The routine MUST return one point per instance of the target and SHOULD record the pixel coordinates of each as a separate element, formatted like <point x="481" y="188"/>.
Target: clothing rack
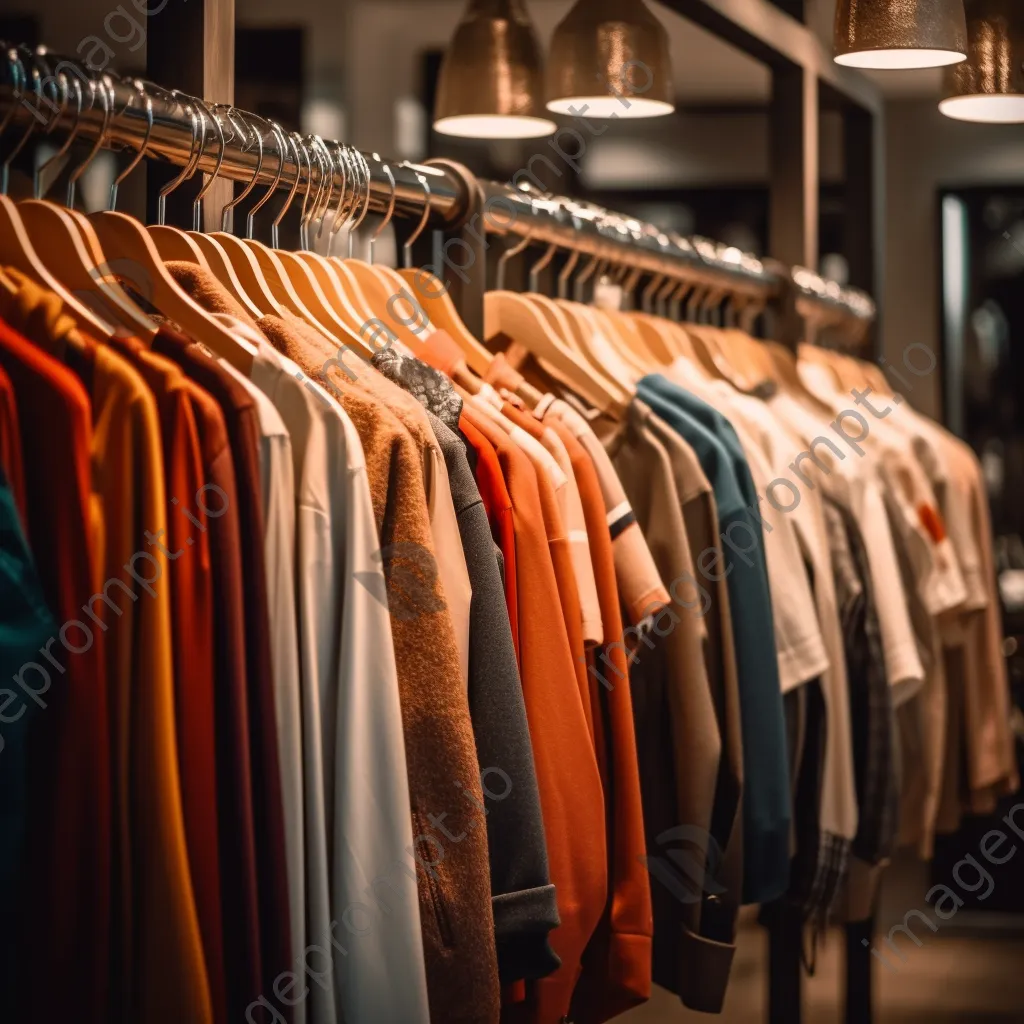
<point x="42" y="94"/>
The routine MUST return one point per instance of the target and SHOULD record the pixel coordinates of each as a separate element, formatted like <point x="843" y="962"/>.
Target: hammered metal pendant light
<point x="492" y="82"/>
<point x="989" y="85"/>
<point x="610" y="58"/>
<point x="891" y="34"/>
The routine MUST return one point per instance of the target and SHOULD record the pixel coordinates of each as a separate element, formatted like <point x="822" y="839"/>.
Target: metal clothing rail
<point x="43" y="94"/>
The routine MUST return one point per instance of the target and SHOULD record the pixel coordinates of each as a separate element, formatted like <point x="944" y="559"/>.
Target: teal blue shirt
<point x="767" y="805"/>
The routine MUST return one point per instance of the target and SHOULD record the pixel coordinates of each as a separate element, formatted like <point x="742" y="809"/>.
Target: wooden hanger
<point x="517" y="318"/>
<point x="72" y="252"/>
<point x="366" y="299"/>
<point x="16" y="251"/>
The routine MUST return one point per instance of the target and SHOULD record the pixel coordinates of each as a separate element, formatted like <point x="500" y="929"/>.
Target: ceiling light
<point x="491" y="80"/>
<point x="610" y="58"/>
<point x="900" y="34"/>
<point x="989" y="85"/>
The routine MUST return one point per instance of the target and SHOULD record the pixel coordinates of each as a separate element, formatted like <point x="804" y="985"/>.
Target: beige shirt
<point x="640" y="587"/>
<point x="852" y="483"/>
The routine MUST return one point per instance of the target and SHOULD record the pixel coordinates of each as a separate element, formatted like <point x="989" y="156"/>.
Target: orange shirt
<point x="617" y="963"/>
<point x="572" y="802"/>
<point x="561" y="558"/>
<point x="499" y="513"/>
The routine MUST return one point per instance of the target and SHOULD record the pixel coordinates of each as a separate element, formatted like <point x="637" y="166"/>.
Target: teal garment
<point x="767" y="806"/>
<point x="25" y="626"/>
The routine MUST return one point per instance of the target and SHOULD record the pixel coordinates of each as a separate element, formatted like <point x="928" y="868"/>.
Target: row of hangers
<point x="599" y="353"/>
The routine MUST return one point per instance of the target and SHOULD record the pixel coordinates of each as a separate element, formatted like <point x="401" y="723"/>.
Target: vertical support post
<point x="794" y="167"/>
<point x="785" y="970"/>
<point x="864" y="187"/>
<point x="193" y="45"/>
<point x="858" y="971"/>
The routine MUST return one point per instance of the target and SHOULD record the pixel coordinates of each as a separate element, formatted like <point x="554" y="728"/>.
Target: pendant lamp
<point x="610" y="58"/>
<point x="989" y="85"/>
<point x="491" y="83"/>
<point x="893" y="34"/>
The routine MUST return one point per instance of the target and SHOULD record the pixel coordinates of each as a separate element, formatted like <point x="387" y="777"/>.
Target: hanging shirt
<point x="570" y="789"/>
<point x="617" y="962"/>
<point x="160" y="950"/>
<point x="26" y="624"/>
<point x="687" y="715"/>
<point x="522" y="896"/>
<point x="64" y="911"/>
<point x="351" y="709"/>
<point x="269" y="922"/>
<point x="766" y="799"/>
<point x="192" y="622"/>
<point x="455" y="911"/>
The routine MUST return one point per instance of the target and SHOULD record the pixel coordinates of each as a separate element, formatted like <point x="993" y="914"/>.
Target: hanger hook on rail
<point x="261" y="202"/>
<point x="505" y="257"/>
<point x="583" y="277"/>
<point x="38" y="191"/>
<point x="365" y="179"/>
<point x="106" y="90"/>
<point x="147" y="102"/>
<point x="197" y="213"/>
<point x="565" y="273"/>
<point x="289" y="138"/>
<point x="421" y="227"/>
<point x="542" y="264"/>
<point x="346" y="203"/>
<point x="330" y="171"/>
<point x="15" y="59"/>
<point x="388" y="213"/>
<point x="227" y="213"/>
<point x="195" y="151"/>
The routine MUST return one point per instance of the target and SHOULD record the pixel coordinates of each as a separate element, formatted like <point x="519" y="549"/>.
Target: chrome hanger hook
<point x="282" y="145"/>
<point x="389" y="212"/>
<point x="323" y="209"/>
<point x="197" y="213"/>
<point x="197" y="146"/>
<point x="661" y="298"/>
<point x="421" y="227"/>
<point x="540" y="265"/>
<point x="505" y="257"/>
<point x="647" y="296"/>
<point x="581" y="279"/>
<point x="5" y="171"/>
<point x="17" y="76"/>
<point x="134" y="162"/>
<point x="227" y="213"/>
<point x="566" y="273"/>
<point x="346" y="204"/>
<point x="303" y="214"/>
<point x="37" y="186"/>
<point x="675" y="305"/>
<point x="106" y="91"/>
<point x="365" y="181"/>
<point x="291" y="192"/>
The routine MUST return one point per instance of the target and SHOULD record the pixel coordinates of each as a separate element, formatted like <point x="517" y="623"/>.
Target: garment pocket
<point x="434" y="893"/>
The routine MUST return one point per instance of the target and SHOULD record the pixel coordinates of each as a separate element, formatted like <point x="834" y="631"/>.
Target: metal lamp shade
<point x="989" y="85"/>
<point x="900" y="33"/>
<point x="610" y="58"/>
<point x="491" y="83"/>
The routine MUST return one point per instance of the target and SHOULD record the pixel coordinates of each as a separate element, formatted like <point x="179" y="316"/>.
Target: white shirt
<point x="358" y="817"/>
